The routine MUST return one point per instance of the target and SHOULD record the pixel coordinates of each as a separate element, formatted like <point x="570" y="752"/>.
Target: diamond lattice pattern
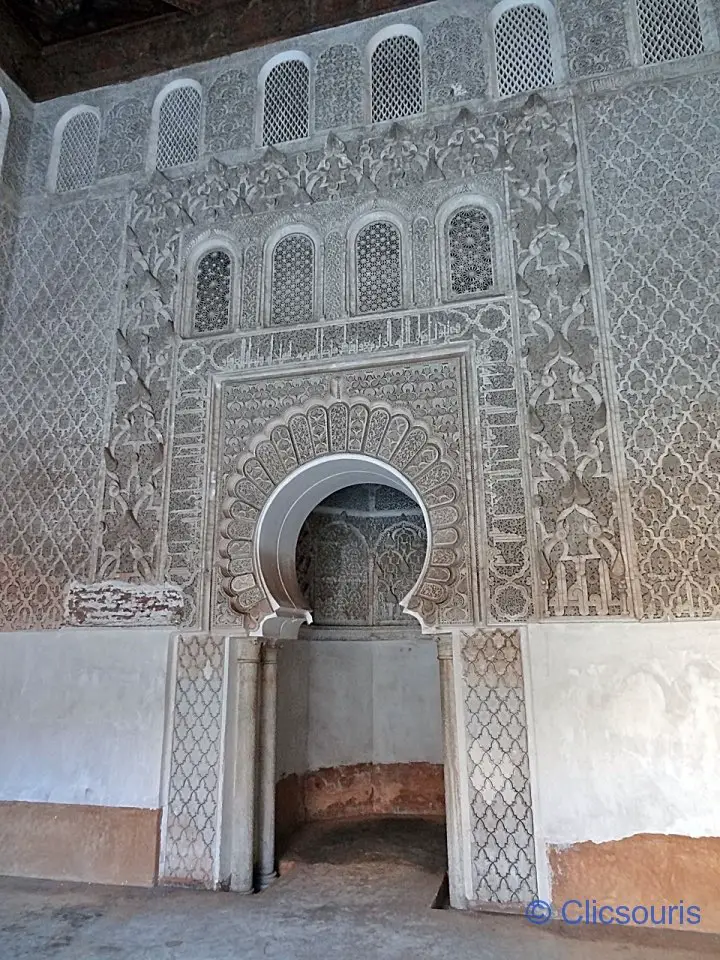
<point x="286" y="102"/>
<point x="669" y="29"/>
<point x="293" y="279"/>
<point x="379" y="275"/>
<point x="77" y="161"/>
<point x="522" y="50"/>
<point x="193" y="792"/>
<point x="499" y="769"/>
<point x="179" y="128"/>
<point x="396" y="79"/>
<point x="54" y="356"/>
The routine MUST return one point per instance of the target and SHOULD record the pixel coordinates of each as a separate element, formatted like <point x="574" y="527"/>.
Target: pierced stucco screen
<point x="523" y="54"/>
<point x="77" y="160"/>
<point x="286" y="102"/>
<point x="178" y="128"/>
<point x="396" y="79"/>
<point x="669" y="29"/>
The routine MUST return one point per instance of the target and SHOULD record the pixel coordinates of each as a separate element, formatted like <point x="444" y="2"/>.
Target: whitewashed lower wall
<point x="82" y="716"/>
<point x="625" y="718"/>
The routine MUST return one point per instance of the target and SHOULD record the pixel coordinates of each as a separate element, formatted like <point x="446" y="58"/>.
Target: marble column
<point x="268" y="739"/>
<point x="451" y="772"/>
<point x="243" y="820"/>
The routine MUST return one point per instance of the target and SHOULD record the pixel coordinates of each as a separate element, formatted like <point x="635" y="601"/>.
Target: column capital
<point x="444" y="647"/>
<point x="249" y="649"/>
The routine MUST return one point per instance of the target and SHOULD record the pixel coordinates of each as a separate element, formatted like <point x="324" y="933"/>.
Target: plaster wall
<point x="626" y="721"/>
<point x="83" y="716"/>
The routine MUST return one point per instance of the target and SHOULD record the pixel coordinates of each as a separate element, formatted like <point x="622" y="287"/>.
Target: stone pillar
<point x="243" y="818"/>
<point x="451" y="772"/>
<point x="268" y="740"/>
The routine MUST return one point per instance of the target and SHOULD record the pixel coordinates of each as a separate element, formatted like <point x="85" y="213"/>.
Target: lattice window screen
<point x="286" y="102"/>
<point x="669" y="29"/>
<point x="396" y="79"/>
<point x="379" y="268"/>
<point x="213" y="280"/>
<point x="77" y="158"/>
<point x="469" y="242"/>
<point x="292" y="293"/>
<point x="179" y="128"/>
<point x="523" y="53"/>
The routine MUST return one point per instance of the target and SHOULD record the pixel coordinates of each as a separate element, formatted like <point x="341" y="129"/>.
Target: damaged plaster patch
<point x="112" y="603"/>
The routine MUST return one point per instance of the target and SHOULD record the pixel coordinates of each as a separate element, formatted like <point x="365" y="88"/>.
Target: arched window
<point x="292" y="280"/>
<point x="523" y="49"/>
<point x="378" y="268"/>
<point x="286" y="101"/>
<point x="213" y="292"/>
<point x="396" y="77"/>
<point x="469" y="246"/>
<point x="73" y="163"/>
<point x="176" y="117"/>
<point x="669" y="29"/>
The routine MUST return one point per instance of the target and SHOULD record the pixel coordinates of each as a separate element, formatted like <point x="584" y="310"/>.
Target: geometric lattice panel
<point x="213" y="282"/>
<point x="286" y="102"/>
<point x="470" y="250"/>
<point x="669" y="29"/>
<point x="292" y="295"/>
<point x="503" y="853"/>
<point x="77" y="160"/>
<point x="178" y="138"/>
<point x="379" y="268"/>
<point x="192" y="831"/>
<point x="396" y="79"/>
<point x="523" y="55"/>
<point x="54" y="355"/>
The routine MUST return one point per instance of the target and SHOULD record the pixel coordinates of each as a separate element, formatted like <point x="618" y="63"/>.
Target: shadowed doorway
<point x="359" y="750"/>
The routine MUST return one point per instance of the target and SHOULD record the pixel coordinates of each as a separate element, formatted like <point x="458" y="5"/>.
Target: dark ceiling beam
<point x="220" y="28"/>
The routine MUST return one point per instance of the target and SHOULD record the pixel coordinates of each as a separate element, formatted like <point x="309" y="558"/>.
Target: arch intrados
<point x="283" y="515"/>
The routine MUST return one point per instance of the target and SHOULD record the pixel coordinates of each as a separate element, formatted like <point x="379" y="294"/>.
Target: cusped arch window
<point x="469" y="252"/>
<point x="285" y="86"/>
<point x="176" y="122"/>
<point x="292" y="279"/>
<point x="4" y="124"/>
<point x="378" y="268"/>
<point x="524" y="37"/>
<point x="396" y="82"/>
<point x="73" y="163"/>
<point x="669" y="29"/>
<point x="210" y="289"/>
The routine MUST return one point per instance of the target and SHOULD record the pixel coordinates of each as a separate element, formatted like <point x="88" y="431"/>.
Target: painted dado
<point x="467" y="252"/>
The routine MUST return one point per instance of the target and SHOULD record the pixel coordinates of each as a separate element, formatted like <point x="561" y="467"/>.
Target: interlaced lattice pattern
<point x="669" y="29"/>
<point x="523" y="54"/>
<point x="470" y="252"/>
<point x="396" y="79"/>
<point x="179" y="128"/>
<point x="293" y="280"/>
<point x="77" y="160"/>
<point x="379" y="271"/>
<point x="502" y="823"/>
<point x="195" y="761"/>
<point x="286" y="103"/>
<point x="212" y="292"/>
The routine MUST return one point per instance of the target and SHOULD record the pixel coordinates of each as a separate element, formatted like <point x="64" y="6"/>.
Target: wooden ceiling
<point x="56" y="47"/>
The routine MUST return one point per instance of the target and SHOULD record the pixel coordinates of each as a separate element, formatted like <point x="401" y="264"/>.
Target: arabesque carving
<point x="377" y="430"/>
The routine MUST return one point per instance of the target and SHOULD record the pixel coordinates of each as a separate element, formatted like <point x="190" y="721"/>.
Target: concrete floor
<point x="347" y="894"/>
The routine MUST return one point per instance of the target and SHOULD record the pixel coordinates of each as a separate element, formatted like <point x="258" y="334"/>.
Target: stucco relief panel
<point x="655" y="184"/>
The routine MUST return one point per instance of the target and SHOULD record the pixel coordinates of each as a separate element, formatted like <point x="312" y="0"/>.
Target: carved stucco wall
<point x="359" y="553"/>
<point x="580" y="403"/>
